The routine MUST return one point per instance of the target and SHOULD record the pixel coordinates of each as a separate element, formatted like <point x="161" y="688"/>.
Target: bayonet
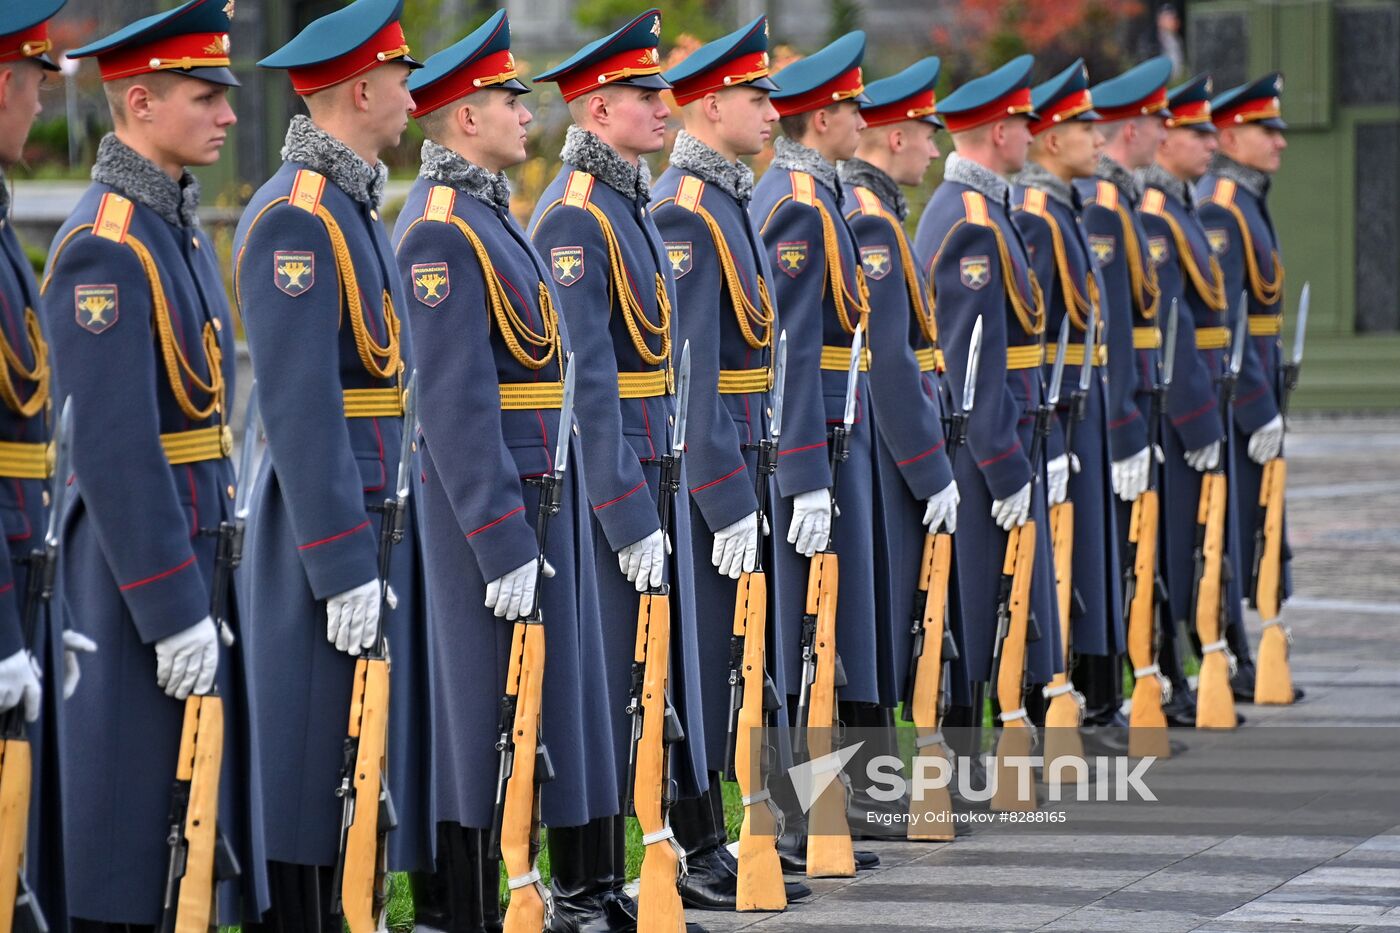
<point x="1300" y="327"/>
<point x="1057" y="372"/>
<point x="682" y="402"/>
<point x="566" y="420"/>
<point x="63" y="458"/>
<point x="775" y="423"/>
<point x="410" y="428"/>
<point x="974" y="362"/>
<point x="246" y="456"/>
<point x="1086" y="369"/>
<point x="1169" y="349"/>
<point x="848" y="416"/>
<point x="1241" y="333"/>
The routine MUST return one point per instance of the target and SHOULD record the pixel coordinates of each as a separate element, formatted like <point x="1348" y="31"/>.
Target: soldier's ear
<point x="7" y="75"/>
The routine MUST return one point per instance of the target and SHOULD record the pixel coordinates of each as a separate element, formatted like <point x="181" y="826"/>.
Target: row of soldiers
<point x="787" y="338"/>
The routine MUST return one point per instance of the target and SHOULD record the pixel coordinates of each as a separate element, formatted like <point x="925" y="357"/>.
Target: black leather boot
<point x="463" y="894"/>
<point x="300" y="902"/>
<point x="868" y="817"/>
<point x="575" y="856"/>
<point x="707" y="883"/>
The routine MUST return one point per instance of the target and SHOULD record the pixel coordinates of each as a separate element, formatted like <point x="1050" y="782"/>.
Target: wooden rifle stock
<point x="1147" y="724"/>
<point x="658" y="901"/>
<point x="1017" y="733"/>
<point x="1273" y="680"/>
<point x="520" y="815"/>
<point x="16" y="777"/>
<point x="1065" y="714"/>
<point x="363" y="874"/>
<point x="197" y="769"/>
<point x="931" y="809"/>
<point x="1215" y="701"/>
<point x="760" y="884"/>
<point x="829" y="850"/>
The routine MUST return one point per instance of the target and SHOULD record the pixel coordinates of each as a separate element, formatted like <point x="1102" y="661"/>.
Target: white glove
<point x="942" y="509"/>
<point x="642" y="561"/>
<point x="19" y="682"/>
<point x="187" y="661"/>
<point x="352" y="618"/>
<point x="74" y="644"/>
<point x="1013" y="511"/>
<point x="810" y="530"/>
<point x="736" y="547"/>
<point x="1204" y="458"/>
<point x="513" y="595"/>
<point x="1129" y="475"/>
<point x="1057" y="479"/>
<point x="1265" y="443"/>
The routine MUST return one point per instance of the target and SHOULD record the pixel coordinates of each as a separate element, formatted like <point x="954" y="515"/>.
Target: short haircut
<point x="795" y="124"/>
<point x="158" y="83"/>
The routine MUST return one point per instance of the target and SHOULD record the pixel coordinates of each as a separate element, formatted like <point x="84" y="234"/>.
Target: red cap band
<point x="1018" y="101"/>
<point x="192" y="50"/>
<point x="487" y="71"/>
<point x="1153" y="103"/>
<point x="1248" y="111"/>
<point x="384" y="46"/>
<point x="630" y="64"/>
<point x="914" y="107"/>
<point x="1190" y="114"/>
<point x="737" y="71"/>
<point x="842" y="87"/>
<point x="27" y="44"/>
<point x="1071" y="105"/>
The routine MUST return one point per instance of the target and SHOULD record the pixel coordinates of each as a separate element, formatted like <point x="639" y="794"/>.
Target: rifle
<point x="932" y="648"/>
<point x="1147" y="724"/>
<point x="829" y="851"/>
<point x="1273" y="681"/>
<point x="524" y="759"/>
<point x="19" y="907"/>
<point x="200" y="856"/>
<point x="1016" y="624"/>
<point x="360" y="885"/>
<point x="656" y="729"/>
<point x="752" y="694"/>
<point x="1065" y="714"/>
<point x="1215" y="701"/>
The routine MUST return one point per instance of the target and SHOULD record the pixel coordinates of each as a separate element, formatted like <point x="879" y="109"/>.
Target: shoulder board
<point x="869" y="202"/>
<point x="440" y="202"/>
<point x="1034" y="202"/>
<point x="689" y="193"/>
<point x="306" y="190"/>
<point x="579" y="189"/>
<point x="975" y="207"/>
<point x="804" y="188"/>
<point x="113" y="218"/>
<point x="1224" y="193"/>
<point x="1153" y="201"/>
<point x="1106" y="195"/>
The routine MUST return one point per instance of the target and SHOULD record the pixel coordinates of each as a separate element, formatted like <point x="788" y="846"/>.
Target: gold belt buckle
<point x="226" y="440"/>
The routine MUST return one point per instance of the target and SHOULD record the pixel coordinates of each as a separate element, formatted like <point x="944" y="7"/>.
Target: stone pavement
<point x="1344" y="501"/>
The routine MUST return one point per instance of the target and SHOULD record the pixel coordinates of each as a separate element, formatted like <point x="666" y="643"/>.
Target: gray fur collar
<point x="313" y="147"/>
<point x="861" y="173"/>
<point x="1154" y="176"/>
<point x="792" y="155"/>
<point x="977" y="177"/>
<point x="1111" y="170"/>
<point x="123" y="168"/>
<point x="691" y="155"/>
<point x="1035" y="175"/>
<point x="443" y="165"/>
<point x="602" y="161"/>
<point x="1250" y="179"/>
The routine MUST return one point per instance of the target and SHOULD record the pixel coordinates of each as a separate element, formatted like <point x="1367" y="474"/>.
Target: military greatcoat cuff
<point x="503" y="544"/>
<point x="341" y="561"/>
<point x="167" y="601"/>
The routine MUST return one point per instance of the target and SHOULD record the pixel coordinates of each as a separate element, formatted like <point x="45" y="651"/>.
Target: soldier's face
<point x="1012" y="138"/>
<point x="1255" y="146"/>
<point x="1186" y="152"/>
<point x="1080" y="144"/>
<point x="19" y="105"/>
<point x="746" y="119"/>
<point x="917" y="149"/>
<point x="190" y="121"/>
<point x="387" y="102"/>
<point x="1148" y="134"/>
<point x="636" y="119"/>
<point x="843" y="126"/>
<point x="501" y="118"/>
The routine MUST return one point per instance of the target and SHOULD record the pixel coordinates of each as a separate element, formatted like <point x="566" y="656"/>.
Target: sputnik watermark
<point x="1102" y="778"/>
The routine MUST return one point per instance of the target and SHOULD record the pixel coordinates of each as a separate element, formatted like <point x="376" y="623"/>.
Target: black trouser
<point x="463" y="894"/>
<point x="301" y="901"/>
<point x="698" y="822"/>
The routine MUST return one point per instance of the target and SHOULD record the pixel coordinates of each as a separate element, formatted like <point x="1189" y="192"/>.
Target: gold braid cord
<point x="751" y="318"/>
<point x="380" y="361"/>
<point x="633" y="314"/>
<point x="923" y="308"/>
<point x="1031" y="313"/>
<point x="1076" y="305"/>
<point x="13" y="366"/>
<point x="1212" y="292"/>
<point x="512" y="327"/>
<point x="1267" y="292"/>
<point x="840" y="295"/>
<point x="1147" y="293"/>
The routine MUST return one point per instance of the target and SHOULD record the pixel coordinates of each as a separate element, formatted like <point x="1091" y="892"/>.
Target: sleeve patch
<point x="566" y="264"/>
<point x="96" y="307"/>
<point x="1157" y="249"/>
<point x="792" y="257"/>
<point x="1101" y="245"/>
<point x="876" y="261"/>
<point x="682" y="257"/>
<point x="293" y="271"/>
<point x="975" y="271"/>
<point x="1219" y="239"/>
<point x="431" y="283"/>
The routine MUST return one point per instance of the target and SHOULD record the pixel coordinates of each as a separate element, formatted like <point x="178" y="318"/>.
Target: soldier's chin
<point x="208" y="155"/>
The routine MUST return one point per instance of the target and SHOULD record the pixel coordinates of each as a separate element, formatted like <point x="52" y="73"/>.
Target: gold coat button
<point x="230" y="490"/>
